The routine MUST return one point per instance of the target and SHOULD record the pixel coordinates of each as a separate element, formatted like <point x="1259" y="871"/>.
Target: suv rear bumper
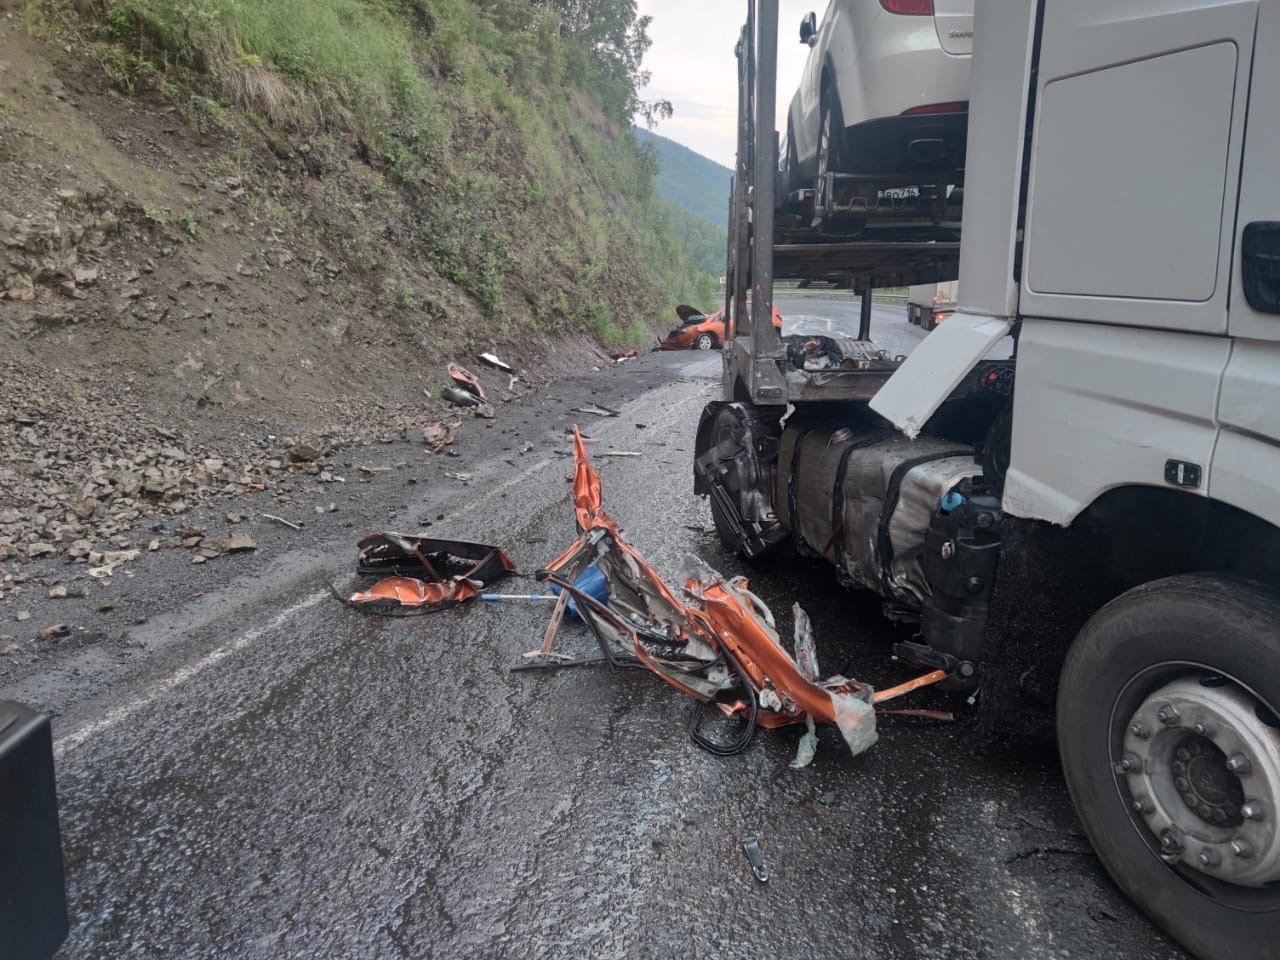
<point x="906" y="144"/>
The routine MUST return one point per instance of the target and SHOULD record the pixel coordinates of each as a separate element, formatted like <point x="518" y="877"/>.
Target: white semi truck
<point x="1089" y="531"/>
<point x="929" y="303"/>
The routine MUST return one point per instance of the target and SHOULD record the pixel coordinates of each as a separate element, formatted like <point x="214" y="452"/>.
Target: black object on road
<point x="33" y="897"/>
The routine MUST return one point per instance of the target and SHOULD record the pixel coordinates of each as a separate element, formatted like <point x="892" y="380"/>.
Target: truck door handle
<point x="1260" y="265"/>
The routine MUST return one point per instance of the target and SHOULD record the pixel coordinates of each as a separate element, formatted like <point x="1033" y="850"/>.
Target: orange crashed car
<point x="697" y="331"/>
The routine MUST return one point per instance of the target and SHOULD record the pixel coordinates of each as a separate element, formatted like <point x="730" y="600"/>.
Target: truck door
<point x="1246" y="461"/>
<point x="1138" y="134"/>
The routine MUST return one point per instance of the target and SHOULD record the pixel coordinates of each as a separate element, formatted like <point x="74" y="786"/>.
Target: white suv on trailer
<point x="884" y="92"/>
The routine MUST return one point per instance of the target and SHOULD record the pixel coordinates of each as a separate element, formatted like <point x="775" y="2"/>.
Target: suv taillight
<point x="909" y="8"/>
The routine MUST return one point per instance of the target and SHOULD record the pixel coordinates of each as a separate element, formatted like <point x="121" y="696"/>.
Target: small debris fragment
<point x="22" y="615"/>
<point x="55" y="632"/>
<point x="493" y="361"/>
<point x="8" y="650"/>
<point x="466" y="381"/>
<point x="282" y="520"/>
<point x="621" y="453"/>
<point x="464" y="477"/>
<point x="438" y="435"/>
<point x="598" y="410"/>
<point x="459" y="397"/>
<point x="756" y="859"/>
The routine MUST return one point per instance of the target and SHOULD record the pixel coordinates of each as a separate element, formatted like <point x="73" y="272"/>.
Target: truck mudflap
<point x="734" y="458"/>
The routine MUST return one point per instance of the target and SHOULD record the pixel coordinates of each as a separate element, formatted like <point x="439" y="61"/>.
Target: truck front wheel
<point x="1170" y="743"/>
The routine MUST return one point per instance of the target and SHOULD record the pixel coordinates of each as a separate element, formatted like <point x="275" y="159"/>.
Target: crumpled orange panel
<point x="720" y="618"/>
<point x="409" y="592"/>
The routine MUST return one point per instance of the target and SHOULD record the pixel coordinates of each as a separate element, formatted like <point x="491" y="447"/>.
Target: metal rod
<point x="764" y="339"/>
<point x="864" y="318"/>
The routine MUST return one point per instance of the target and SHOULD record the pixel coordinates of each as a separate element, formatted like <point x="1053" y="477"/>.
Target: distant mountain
<point x="689" y="179"/>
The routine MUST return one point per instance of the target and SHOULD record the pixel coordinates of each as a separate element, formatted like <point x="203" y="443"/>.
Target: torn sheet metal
<point x="426" y="573"/>
<point x="717" y="644"/>
<point x="466" y="381"/>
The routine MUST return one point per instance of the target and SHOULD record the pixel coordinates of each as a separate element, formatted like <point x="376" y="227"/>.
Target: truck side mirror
<point x="809" y="29"/>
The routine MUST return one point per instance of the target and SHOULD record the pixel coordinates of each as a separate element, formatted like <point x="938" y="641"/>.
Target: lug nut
<point x="1206" y="728"/>
<point x="1253" y="811"/>
<point x="948" y="550"/>
<point x="1210" y="858"/>
<point x="1128" y="763"/>
<point x="1239" y="764"/>
<point x="1170" y="843"/>
<point x="1242" y="848"/>
<point x="1140" y="730"/>
<point x="1168" y="715"/>
<point x="1143" y="805"/>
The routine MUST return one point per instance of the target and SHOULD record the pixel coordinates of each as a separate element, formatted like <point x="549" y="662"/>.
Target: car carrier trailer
<point x="1090" y="530"/>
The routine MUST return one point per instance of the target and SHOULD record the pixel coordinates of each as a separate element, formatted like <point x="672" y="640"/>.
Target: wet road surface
<point x="293" y="779"/>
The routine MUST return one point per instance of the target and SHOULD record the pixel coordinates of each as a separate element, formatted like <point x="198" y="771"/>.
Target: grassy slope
<point x="452" y="143"/>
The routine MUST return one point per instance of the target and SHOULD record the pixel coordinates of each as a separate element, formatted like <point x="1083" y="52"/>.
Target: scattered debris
<point x="62" y="591"/>
<point x="598" y="410"/>
<point x="464" y="477"/>
<point x="526" y="447"/>
<point x="22" y="615"/>
<point x="288" y="523"/>
<point x="57" y="631"/>
<point x="621" y="356"/>
<point x="459" y="397"/>
<point x="438" y="435"/>
<point x="493" y="361"/>
<point x="466" y="381"/>
<point x="458" y="570"/>
<point x="756" y="859"/>
<point x="719" y="647"/>
<point x="621" y="453"/>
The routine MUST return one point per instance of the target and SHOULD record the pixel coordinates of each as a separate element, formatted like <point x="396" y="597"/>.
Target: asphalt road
<point x="267" y="774"/>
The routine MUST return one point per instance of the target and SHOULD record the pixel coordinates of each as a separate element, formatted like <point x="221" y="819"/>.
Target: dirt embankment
<point x="181" y="321"/>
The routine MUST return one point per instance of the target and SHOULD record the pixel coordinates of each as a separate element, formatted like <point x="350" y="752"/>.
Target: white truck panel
<point x="1259" y="186"/>
<point x="1098" y="407"/>
<point x="1137" y="142"/>
<point x="999" y="89"/>
<point x="1246" y="463"/>
<point x="935" y="368"/>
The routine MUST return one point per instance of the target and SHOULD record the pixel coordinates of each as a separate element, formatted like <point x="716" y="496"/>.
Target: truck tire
<point x="1170" y="743"/>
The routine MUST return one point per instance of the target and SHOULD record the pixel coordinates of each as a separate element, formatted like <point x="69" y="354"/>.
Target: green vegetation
<point x="689" y="179"/>
<point x="487" y="142"/>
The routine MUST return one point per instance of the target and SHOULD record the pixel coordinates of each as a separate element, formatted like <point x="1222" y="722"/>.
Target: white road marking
<point x="181" y="676"/>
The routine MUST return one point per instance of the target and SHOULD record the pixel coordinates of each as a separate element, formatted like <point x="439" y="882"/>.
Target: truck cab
<point x="1085" y="534"/>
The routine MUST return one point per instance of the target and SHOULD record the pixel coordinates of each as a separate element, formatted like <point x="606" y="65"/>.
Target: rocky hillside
<point x="233" y="229"/>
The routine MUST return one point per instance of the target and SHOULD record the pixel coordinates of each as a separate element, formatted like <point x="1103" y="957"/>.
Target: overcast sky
<point x="692" y="65"/>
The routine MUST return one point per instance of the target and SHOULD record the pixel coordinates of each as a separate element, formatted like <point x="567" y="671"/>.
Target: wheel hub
<point x="1203" y="771"/>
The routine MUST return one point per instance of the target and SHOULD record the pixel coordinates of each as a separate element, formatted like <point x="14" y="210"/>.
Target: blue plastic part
<point x="590" y="581"/>
<point x="951" y="501"/>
